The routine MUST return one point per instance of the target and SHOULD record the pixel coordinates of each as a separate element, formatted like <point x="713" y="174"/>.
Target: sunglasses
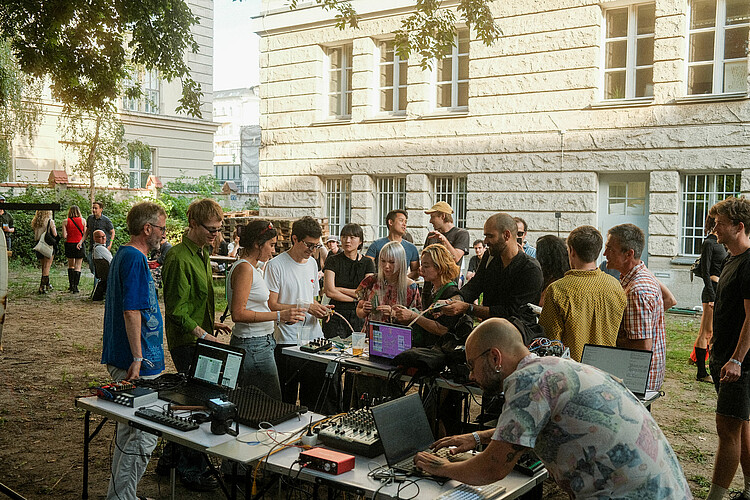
<point x="312" y="246"/>
<point x="210" y="229"/>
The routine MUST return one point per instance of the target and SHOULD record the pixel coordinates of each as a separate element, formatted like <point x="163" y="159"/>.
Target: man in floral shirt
<point x="593" y="435"/>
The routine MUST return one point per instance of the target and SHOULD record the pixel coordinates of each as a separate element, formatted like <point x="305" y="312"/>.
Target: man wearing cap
<point x="445" y="233"/>
<point x="7" y="221"/>
<point x="332" y="244"/>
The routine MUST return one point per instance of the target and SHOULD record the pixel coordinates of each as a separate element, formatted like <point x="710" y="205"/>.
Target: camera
<point x="222" y="415"/>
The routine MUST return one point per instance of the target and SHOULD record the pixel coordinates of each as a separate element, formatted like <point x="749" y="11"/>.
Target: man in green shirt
<point x="189" y="315"/>
<point x="188" y="286"/>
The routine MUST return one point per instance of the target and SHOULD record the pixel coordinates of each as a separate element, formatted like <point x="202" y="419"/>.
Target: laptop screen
<point x="216" y="364"/>
<point x="403" y="427"/>
<point x="630" y="365"/>
<point x="388" y="340"/>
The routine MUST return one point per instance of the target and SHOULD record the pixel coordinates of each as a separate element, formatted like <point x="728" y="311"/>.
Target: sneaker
<point x="200" y="482"/>
<point x="709" y="380"/>
<point x="738" y="495"/>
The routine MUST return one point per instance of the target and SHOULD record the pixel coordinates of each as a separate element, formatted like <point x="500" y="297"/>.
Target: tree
<point x="85" y="47"/>
<point x="429" y="31"/>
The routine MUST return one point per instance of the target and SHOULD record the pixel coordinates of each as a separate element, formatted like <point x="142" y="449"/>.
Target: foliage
<point x="205" y="185"/>
<point x="20" y="105"/>
<point x="88" y="47"/>
<point x="430" y="30"/>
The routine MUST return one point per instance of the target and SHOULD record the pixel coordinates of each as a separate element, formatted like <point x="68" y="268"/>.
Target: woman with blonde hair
<point x="73" y="232"/>
<point x="390" y="287"/>
<point x="41" y="223"/>
<point x="438" y="268"/>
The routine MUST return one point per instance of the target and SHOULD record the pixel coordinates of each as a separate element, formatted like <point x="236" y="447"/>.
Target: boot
<point x="42" y="288"/>
<point x="700" y="356"/>
<point x="47" y="284"/>
<point x="71" y="280"/>
<point x="76" y="280"/>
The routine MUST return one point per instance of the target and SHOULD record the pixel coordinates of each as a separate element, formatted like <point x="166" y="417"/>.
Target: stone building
<point x="180" y="145"/>
<point x="584" y="112"/>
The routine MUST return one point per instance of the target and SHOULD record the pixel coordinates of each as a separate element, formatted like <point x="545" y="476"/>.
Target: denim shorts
<point x="733" y="398"/>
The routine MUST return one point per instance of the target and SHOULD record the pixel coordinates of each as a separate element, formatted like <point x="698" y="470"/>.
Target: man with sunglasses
<point x="523" y="231"/>
<point x="593" y="435"/>
<point x="190" y="311"/>
<point x="292" y="279"/>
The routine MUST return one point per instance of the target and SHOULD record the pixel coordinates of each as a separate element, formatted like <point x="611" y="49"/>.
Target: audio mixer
<point x="354" y="433"/>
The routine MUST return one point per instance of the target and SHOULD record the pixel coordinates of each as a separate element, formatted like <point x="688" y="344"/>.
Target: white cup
<point x="358" y="343"/>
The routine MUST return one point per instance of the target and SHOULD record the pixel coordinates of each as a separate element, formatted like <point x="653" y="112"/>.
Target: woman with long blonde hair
<point x="390" y="287"/>
<point x="41" y="223"/>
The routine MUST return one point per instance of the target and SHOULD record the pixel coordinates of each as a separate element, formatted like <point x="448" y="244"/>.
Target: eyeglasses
<point x="163" y="228"/>
<point x="211" y="229"/>
<point x="312" y="246"/>
<point x="470" y="363"/>
<point x="520" y="234"/>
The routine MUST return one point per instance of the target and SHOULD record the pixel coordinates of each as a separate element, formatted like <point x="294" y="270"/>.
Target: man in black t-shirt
<point x="479" y="248"/>
<point x="729" y="362"/>
<point x="455" y="239"/>
<point x="98" y="221"/>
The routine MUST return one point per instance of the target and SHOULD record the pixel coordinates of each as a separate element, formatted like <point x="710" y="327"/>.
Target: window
<point x="227" y="172"/>
<point x="627" y="198"/>
<point x="452" y="75"/>
<point x="338" y="203"/>
<point x="629" y="52"/>
<point x="392" y="70"/>
<point x="718" y="46"/>
<point x="138" y="171"/>
<point x="701" y="192"/>
<point x="340" y="81"/>
<point x="391" y="196"/>
<point x="452" y="190"/>
<point x="149" y="100"/>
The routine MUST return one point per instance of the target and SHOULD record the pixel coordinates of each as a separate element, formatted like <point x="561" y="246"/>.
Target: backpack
<point x="695" y="269"/>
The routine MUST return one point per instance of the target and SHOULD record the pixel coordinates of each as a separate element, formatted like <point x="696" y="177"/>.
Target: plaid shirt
<point x="644" y="318"/>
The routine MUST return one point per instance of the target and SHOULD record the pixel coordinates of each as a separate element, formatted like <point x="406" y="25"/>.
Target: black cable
<point x="406" y="483"/>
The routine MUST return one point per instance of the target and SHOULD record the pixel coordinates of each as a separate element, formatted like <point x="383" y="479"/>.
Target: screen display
<point x="217" y="365"/>
<point x="388" y="340"/>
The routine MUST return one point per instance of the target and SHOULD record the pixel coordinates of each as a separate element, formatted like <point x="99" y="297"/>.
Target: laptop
<point x="404" y="431"/>
<point x="214" y="372"/>
<point x="629" y="365"/>
<point x="388" y="340"/>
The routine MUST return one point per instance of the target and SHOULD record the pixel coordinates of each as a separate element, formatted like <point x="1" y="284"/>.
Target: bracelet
<point x="471" y="310"/>
<point x="278" y="316"/>
<point x="476" y="438"/>
<point x="137" y="360"/>
<point x="735" y="361"/>
<point x="203" y="336"/>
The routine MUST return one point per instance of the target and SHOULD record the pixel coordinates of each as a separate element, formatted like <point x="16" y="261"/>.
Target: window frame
<point x="134" y="160"/>
<point x="150" y="92"/>
<point x="395" y="83"/>
<point x="338" y="195"/>
<point x="344" y="106"/>
<point x="718" y="61"/>
<point x="456" y="196"/>
<point x="391" y="199"/>
<point x="455" y="77"/>
<point x="631" y="58"/>
<point x="712" y="196"/>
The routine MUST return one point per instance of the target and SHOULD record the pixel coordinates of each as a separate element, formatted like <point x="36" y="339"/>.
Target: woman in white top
<point x="253" y="320"/>
<point x="42" y="223"/>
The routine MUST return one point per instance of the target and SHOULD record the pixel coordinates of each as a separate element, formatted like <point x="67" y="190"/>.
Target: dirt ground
<point x="52" y="349"/>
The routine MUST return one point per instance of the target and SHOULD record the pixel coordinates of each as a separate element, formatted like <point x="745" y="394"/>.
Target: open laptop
<point x="630" y="365"/>
<point x="388" y="340"/>
<point x="214" y="371"/>
<point x="404" y="430"/>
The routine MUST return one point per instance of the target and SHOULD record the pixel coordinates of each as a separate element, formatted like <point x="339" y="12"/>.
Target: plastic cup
<point x="358" y="343"/>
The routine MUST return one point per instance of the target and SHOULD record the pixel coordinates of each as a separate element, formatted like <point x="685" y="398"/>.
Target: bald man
<point x="593" y="435"/>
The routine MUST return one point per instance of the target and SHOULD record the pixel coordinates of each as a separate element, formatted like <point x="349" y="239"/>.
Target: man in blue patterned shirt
<point x="592" y="434"/>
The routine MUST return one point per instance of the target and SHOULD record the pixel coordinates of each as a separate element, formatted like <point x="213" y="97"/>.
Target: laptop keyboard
<point x="407" y="464"/>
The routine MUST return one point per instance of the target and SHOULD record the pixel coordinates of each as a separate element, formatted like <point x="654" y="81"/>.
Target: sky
<point x="236" y="49"/>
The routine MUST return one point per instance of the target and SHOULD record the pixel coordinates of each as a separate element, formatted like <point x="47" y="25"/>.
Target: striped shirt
<point x="644" y="318"/>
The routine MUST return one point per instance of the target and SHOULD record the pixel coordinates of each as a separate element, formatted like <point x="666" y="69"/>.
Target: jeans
<point x="130" y="457"/>
<point x="259" y="367"/>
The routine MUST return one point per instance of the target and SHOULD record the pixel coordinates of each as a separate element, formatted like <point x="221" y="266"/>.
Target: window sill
<point x="622" y="103"/>
<point x="332" y="121"/>
<point x="734" y="96"/>
<point x="446" y="113"/>
<point x="385" y="118"/>
<point x="683" y="260"/>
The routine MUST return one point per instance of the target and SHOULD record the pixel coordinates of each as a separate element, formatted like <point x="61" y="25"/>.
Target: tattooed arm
<point x="491" y="465"/>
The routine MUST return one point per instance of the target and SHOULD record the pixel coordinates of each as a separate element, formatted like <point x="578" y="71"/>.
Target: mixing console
<point x="165" y="418"/>
<point x="354" y="433"/>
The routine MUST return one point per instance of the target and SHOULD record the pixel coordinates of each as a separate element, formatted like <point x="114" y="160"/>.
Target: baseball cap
<point x="440" y="206"/>
<point x="2" y="198"/>
<point x="332" y="237"/>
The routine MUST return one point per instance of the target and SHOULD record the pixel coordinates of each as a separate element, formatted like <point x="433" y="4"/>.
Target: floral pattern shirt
<point x="369" y="289"/>
<point x="595" y="438"/>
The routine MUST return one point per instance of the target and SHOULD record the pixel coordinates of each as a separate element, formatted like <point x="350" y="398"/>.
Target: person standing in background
<point x="7" y="223"/>
<point x="74" y="230"/>
<point x="41" y="223"/>
<point x="97" y="220"/>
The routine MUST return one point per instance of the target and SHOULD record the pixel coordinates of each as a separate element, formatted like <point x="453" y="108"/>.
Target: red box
<point x="324" y="460"/>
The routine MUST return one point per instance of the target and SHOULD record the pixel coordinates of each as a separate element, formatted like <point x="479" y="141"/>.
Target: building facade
<point x="180" y="145"/>
<point x="583" y="112"/>
<point x="237" y="139"/>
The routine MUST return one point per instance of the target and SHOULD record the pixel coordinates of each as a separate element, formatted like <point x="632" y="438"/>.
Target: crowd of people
<point x="580" y="421"/>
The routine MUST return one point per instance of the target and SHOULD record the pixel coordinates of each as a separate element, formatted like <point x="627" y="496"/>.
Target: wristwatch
<point x="735" y="361"/>
<point x="476" y="438"/>
<point x="137" y="359"/>
<point x="470" y="312"/>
